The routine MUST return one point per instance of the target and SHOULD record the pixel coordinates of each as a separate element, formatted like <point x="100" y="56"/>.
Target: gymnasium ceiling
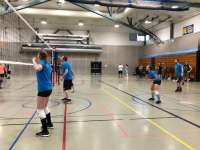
<point x="159" y="12"/>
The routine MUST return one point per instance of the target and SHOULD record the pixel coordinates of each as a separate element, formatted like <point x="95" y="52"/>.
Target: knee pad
<point x="157" y="93"/>
<point x="46" y="110"/>
<point x="41" y="113"/>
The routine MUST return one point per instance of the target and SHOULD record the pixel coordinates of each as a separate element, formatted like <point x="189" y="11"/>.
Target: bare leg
<point x="41" y="105"/>
<point x="66" y="94"/>
<point x="152" y="92"/>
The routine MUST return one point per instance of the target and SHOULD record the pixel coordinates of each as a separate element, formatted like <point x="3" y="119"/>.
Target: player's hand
<point x="34" y="59"/>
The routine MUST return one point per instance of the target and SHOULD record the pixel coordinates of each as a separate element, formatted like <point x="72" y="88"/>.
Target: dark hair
<point x="150" y="68"/>
<point x="43" y="55"/>
<point x="65" y="58"/>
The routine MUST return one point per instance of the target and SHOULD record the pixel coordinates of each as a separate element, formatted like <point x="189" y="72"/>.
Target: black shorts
<point x="158" y="82"/>
<point x="2" y="75"/>
<point x="67" y="85"/>
<point x="45" y="93"/>
<point x="179" y="79"/>
<point x="120" y="72"/>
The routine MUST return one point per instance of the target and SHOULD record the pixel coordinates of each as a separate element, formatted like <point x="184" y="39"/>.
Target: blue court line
<point x="168" y="53"/>
<point x="21" y="132"/>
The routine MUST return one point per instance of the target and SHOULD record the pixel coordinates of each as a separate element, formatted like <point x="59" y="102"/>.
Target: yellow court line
<point x="173" y="136"/>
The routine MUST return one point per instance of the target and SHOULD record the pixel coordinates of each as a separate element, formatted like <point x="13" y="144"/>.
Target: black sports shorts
<point x="158" y="82"/>
<point x="2" y="75"/>
<point x="45" y="93"/>
<point x="120" y="72"/>
<point x="67" y="85"/>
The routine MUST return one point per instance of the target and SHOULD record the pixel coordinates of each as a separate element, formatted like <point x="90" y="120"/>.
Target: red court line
<point x="120" y="127"/>
<point x="64" y="139"/>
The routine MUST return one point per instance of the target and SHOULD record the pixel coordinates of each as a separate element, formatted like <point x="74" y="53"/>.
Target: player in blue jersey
<point x="44" y="85"/>
<point x="179" y="75"/>
<point x="155" y="86"/>
<point x="67" y="75"/>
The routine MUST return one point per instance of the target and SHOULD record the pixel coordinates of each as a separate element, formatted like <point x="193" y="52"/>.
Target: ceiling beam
<point x="185" y="5"/>
<point x="26" y="5"/>
<point x="112" y="19"/>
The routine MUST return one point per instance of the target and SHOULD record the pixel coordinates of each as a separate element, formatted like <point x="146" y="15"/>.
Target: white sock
<point x="46" y="110"/>
<point x="157" y="95"/>
<point x="41" y="113"/>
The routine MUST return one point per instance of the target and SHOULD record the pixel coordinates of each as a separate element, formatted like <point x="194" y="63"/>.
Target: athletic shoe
<point x="68" y="100"/>
<point x="50" y="126"/>
<point x="158" y="102"/>
<point x="151" y="99"/>
<point x="64" y="99"/>
<point x="43" y="133"/>
<point x="177" y="90"/>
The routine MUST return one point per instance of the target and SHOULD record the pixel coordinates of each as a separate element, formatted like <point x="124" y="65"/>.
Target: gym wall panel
<point x="189" y="58"/>
<point x="111" y="57"/>
<point x="182" y="43"/>
<point x="145" y="61"/>
<point x="168" y="61"/>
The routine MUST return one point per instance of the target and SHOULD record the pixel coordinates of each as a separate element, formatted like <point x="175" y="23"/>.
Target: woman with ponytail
<point x="43" y="74"/>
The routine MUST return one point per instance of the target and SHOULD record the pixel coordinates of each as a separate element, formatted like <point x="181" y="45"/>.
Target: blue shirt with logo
<point x="179" y="70"/>
<point x="67" y="66"/>
<point x="152" y="74"/>
<point x="44" y="77"/>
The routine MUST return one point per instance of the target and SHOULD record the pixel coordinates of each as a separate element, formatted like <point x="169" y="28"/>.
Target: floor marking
<point x="64" y="138"/>
<point x="173" y="136"/>
<point x="117" y="123"/>
<point x="85" y="121"/>
<point x="21" y="132"/>
<point x="166" y="111"/>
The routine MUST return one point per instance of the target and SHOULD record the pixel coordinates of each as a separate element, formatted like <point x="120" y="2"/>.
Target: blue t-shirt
<point x="153" y="75"/>
<point x="67" y="66"/>
<point x="44" y="77"/>
<point x="179" y="70"/>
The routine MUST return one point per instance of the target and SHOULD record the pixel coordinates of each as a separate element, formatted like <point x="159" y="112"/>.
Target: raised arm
<point x="37" y="67"/>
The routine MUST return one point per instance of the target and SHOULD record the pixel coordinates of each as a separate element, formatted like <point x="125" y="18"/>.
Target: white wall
<point x="113" y="38"/>
<point x="164" y="34"/>
<point x="179" y="27"/>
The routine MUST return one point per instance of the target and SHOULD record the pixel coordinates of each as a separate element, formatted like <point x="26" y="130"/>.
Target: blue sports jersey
<point x="67" y="66"/>
<point x="153" y="75"/>
<point x="179" y="70"/>
<point x="44" y="77"/>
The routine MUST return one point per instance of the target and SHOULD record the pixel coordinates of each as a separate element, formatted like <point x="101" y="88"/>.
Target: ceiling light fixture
<point x="96" y="5"/>
<point x="175" y="7"/>
<point x="80" y="24"/>
<point x="147" y="22"/>
<point x="43" y="22"/>
<point x="60" y="2"/>
<point x="116" y="25"/>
